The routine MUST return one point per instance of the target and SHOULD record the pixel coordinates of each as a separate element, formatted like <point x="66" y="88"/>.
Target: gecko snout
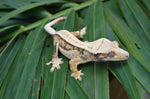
<point x="119" y="54"/>
<point x="124" y="55"/>
<point x="127" y="55"/>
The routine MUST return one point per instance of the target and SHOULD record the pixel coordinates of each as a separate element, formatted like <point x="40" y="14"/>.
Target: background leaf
<point x="95" y="29"/>
<point x="25" y="47"/>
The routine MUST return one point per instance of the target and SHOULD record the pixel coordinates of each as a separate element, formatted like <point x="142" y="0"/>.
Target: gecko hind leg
<point x="55" y="60"/>
<point x="73" y="66"/>
<point x="80" y="33"/>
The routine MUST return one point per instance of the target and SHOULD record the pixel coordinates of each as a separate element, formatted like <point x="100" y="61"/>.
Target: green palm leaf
<point x="96" y="79"/>
<point x="26" y="47"/>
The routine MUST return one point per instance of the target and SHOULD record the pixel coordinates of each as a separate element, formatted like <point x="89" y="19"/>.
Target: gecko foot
<point x="77" y="75"/>
<point x="55" y="63"/>
<point x="83" y="32"/>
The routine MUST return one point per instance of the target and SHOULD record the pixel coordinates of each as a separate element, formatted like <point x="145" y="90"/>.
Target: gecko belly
<point x="70" y="53"/>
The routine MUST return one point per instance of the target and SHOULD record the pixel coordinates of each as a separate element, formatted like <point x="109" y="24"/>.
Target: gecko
<point x="79" y="52"/>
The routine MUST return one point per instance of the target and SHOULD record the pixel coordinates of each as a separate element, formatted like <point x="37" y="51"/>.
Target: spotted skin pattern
<point x="80" y="52"/>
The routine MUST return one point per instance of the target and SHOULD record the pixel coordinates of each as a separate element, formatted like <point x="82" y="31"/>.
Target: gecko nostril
<point x="127" y="56"/>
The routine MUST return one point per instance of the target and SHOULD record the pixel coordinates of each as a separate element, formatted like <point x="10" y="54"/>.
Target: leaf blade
<point x="96" y="73"/>
<point x="22" y="9"/>
<point x="123" y="32"/>
<point x="73" y="87"/>
<point x="121" y="70"/>
<point x="8" y="61"/>
<point x="35" y="55"/>
<point x="140" y="73"/>
<point x="140" y="16"/>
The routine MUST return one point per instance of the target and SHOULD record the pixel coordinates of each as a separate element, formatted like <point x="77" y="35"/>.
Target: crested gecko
<point x="80" y="52"/>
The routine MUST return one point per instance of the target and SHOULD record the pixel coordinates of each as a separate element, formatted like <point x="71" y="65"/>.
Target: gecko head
<point x="117" y="55"/>
<point x="112" y="52"/>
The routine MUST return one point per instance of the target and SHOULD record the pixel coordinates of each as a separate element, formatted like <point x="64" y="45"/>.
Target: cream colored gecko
<point x="80" y="52"/>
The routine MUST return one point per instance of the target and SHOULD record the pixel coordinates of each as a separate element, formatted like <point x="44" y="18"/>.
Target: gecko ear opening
<point x="116" y="43"/>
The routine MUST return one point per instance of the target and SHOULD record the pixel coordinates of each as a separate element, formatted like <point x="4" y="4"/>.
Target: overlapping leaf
<point x="23" y="73"/>
<point x="95" y="81"/>
<point x="122" y="71"/>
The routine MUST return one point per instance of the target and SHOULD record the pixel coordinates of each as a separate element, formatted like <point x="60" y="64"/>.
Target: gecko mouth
<point x="121" y="59"/>
<point x="115" y="58"/>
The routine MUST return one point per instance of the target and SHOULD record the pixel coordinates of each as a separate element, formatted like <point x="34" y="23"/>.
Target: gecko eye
<point x="111" y="54"/>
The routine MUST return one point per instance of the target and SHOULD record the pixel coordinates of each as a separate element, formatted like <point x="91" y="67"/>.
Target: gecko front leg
<point x="55" y="60"/>
<point x="74" y="70"/>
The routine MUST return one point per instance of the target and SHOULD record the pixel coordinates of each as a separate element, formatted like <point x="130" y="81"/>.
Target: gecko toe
<point x="55" y="63"/>
<point x="72" y="75"/>
<point x="79" y="78"/>
<point x="58" y="67"/>
<point x="81" y="73"/>
<point x="77" y="75"/>
<point x="49" y="63"/>
<point x="52" y="69"/>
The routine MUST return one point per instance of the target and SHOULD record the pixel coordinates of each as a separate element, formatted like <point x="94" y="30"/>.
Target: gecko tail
<point x="48" y="27"/>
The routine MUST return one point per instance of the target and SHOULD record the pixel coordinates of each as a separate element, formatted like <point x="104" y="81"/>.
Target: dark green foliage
<point x="25" y="47"/>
